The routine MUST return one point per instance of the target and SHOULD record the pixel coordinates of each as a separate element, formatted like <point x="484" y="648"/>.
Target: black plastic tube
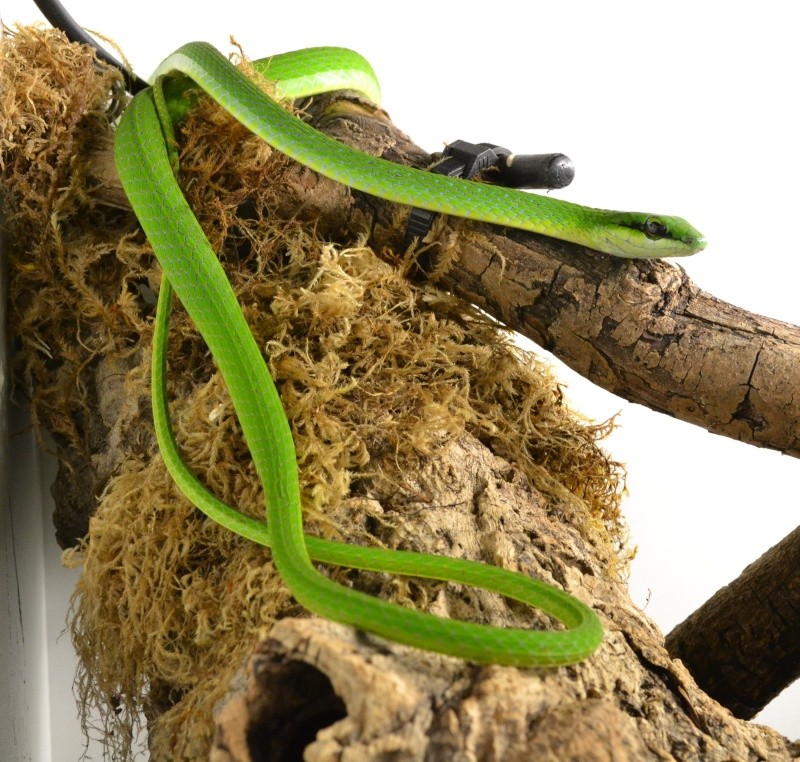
<point x="58" y="16"/>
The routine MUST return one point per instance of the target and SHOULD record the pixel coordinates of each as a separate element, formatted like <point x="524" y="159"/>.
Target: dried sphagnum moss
<point x="376" y="375"/>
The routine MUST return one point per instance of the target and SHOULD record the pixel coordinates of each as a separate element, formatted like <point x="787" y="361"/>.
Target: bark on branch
<point x="640" y="329"/>
<point x="742" y="645"/>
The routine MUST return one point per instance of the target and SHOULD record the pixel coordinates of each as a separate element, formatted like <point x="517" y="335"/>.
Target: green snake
<point x="146" y="161"/>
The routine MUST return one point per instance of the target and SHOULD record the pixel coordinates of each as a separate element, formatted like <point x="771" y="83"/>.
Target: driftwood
<point x="641" y="330"/>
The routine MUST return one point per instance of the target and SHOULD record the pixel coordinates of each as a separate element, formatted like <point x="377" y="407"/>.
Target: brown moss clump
<point x="377" y="377"/>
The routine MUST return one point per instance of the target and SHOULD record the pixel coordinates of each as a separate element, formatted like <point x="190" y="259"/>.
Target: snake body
<point x="146" y="162"/>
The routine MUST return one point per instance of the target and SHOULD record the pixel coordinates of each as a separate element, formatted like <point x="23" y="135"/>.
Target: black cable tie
<point x="459" y="159"/>
<point x="496" y="165"/>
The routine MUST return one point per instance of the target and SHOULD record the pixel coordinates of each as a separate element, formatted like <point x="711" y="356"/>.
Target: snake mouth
<point x="697" y="243"/>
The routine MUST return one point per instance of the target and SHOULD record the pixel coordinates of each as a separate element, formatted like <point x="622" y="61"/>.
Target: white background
<point x="674" y="107"/>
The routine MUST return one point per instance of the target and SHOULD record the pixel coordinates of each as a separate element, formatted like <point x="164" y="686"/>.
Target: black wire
<point x="57" y="15"/>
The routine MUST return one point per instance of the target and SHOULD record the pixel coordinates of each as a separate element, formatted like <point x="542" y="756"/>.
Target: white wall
<point x="24" y="733"/>
<point x="39" y="718"/>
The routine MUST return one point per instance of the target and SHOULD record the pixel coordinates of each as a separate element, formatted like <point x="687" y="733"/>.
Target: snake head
<point x="651" y="236"/>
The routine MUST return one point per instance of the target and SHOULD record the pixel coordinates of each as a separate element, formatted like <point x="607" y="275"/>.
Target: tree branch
<point x="742" y="645"/>
<point x="640" y="329"/>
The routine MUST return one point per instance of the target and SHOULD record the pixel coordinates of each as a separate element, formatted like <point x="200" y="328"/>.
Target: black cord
<point x="57" y="15"/>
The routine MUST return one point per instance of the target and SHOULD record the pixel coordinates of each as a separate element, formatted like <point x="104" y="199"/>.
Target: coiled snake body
<point x="146" y="162"/>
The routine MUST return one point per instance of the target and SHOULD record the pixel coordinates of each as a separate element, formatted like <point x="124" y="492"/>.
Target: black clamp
<point x="496" y="165"/>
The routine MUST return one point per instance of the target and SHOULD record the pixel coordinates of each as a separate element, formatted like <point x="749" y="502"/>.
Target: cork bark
<point x="640" y="329"/>
<point x="314" y="686"/>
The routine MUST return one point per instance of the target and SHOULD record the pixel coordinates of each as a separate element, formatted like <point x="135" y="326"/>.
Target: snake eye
<point x="654" y="228"/>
